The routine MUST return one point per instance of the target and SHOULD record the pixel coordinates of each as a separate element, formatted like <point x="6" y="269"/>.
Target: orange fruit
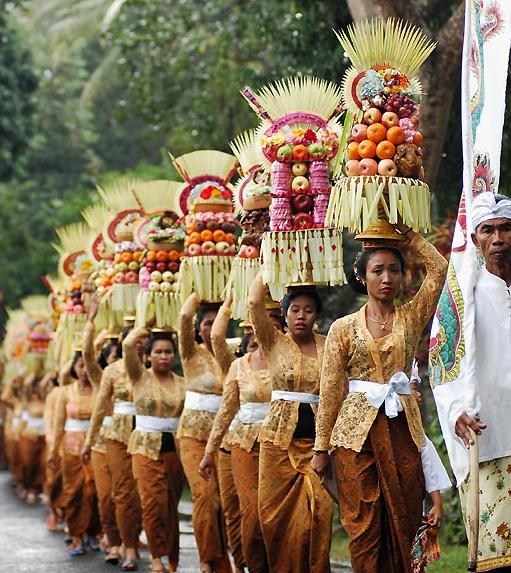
<point x="385" y="150"/>
<point x="117" y="258"/>
<point x="137" y="256"/>
<point x="376" y="132"/>
<point x="161" y="256"/>
<point x="206" y="235"/>
<point x="418" y="139"/>
<point x="127" y="257"/>
<point x="367" y="149"/>
<point x="218" y="236"/>
<point x="194" y="238"/>
<point x="230" y="238"/>
<point x="353" y="150"/>
<point x="151" y="256"/>
<point x="300" y="152"/>
<point x="396" y="135"/>
<point x="174" y="256"/>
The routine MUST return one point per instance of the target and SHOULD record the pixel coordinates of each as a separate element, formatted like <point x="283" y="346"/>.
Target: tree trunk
<point x="439" y="75"/>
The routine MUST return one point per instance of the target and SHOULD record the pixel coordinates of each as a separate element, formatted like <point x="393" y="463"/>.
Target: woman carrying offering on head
<point x="294" y="509"/>
<point x="204" y="378"/>
<point x="370" y="417"/>
<point x="158" y="395"/>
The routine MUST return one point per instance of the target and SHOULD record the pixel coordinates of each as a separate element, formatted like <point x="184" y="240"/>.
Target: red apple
<point x="194" y="250"/>
<point x="132" y="277"/>
<point x="208" y="248"/>
<point x="212" y="225"/>
<point x="390" y="119"/>
<point x="242" y="251"/>
<point x="119" y="278"/>
<point x="387" y="168"/>
<point x="353" y="167"/>
<point x="161" y="266"/>
<point x="359" y="132"/>
<point x="368" y="167"/>
<point x="303" y="221"/>
<point x="174" y="265"/>
<point x="372" y="115"/>
<point x="199" y="226"/>
<point x="302" y="202"/>
<point x="222" y="247"/>
<point x="150" y="266"/>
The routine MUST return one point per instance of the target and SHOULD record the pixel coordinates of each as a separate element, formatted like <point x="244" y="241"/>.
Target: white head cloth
<point x="485" y="208"/>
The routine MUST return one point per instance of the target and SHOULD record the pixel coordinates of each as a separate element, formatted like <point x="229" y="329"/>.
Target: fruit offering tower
<point x="383" y="172"/>
<point x="76" y="267"/>
<point x="252" y="197"/>
<point x="161" y="235"/>
<point x="210" y="223"/>
<point x="118" y="232"/>
<point x="300" y="136"/>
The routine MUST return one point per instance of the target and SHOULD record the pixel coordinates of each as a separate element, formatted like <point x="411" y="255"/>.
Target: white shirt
<point x="492" y="374"/>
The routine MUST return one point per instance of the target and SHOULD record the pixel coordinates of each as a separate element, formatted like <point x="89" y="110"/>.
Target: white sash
<point x="25" y="415"/>
<point x="252" y="412"/>
<point x="107" y="421"/>
<point x="156" y="424"/>
<point x="206" y="402"/>
<point x="73" y="425"/>
<point x="15" y="421"/>
<point x="36" y="424"/>
<point x="377" y="393"/>
<point x="302" y="397"/>
<point x="125" y="408"/>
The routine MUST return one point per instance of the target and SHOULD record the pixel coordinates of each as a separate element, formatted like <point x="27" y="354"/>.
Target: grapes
<point x="402" y="105"/>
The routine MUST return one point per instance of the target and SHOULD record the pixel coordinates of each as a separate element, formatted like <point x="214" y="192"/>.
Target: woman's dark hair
<point x="125" y="331"/>
<point x="76" y="357"/>
<point x="199" y="317"/>
<point x="360" y="267"/>
<point x="311" y="293"/>
<point x="242" y="348"/>
<point x="154" y="336"/>
<point x="105" y="353"/>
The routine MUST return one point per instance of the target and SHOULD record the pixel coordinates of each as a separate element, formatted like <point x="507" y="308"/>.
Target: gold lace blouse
<point x="71" y="403"/>
<point x="115" y="386"/>
<point x="289" y="369"/>
<point x="344" y="418"/>
<point x="242" y="385"/>
<point x="202" y="374"/>
<point x="94" y="372"/>
<point x="151" y="399"/>
<point x="50" y="407"/>
<point x="33" y="404"/>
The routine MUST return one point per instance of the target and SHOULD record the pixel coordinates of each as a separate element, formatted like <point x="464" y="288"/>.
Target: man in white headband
<point x="491" y="224"/>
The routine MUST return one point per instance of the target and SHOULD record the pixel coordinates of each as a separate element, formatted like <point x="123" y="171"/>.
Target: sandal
<point x="77" y="551"/>
<point x="113" y="558"/>
<point x="93" y="543"/>
<point x="129" y="565"/>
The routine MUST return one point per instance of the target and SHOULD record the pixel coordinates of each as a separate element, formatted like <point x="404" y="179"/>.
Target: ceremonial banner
<point x="452" y="346"/>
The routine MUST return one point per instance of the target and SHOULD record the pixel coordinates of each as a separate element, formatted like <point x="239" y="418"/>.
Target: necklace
<point x="382" y="324"/>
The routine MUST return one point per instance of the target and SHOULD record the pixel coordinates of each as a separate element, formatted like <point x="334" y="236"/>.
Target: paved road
<point x="26" y="546"/>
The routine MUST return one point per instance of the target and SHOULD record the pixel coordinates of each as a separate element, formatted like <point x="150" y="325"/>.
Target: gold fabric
<point x="289" y="368"/>
<point x="344" y="418"/>
<point x="225" y="357"/>
<point x="495" y="513"/>
<point x="71" y="403"/>
<point x="230" y="507"/>
<point x="50" y="407"/>
<point x="295" y="510"/>
<point x="94" y="372"/>
<point x="245" y="470"/>
<point x="151" y="398"/>
<point x="115" y="386"/>
<point x="241" y="386"/>
<point x="202" y="374"/>
<point x="206" y="507"/>
<point x="106" y="508"/>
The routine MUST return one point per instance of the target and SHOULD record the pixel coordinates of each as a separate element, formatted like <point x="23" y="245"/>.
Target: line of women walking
<point x="256" y="434"/>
